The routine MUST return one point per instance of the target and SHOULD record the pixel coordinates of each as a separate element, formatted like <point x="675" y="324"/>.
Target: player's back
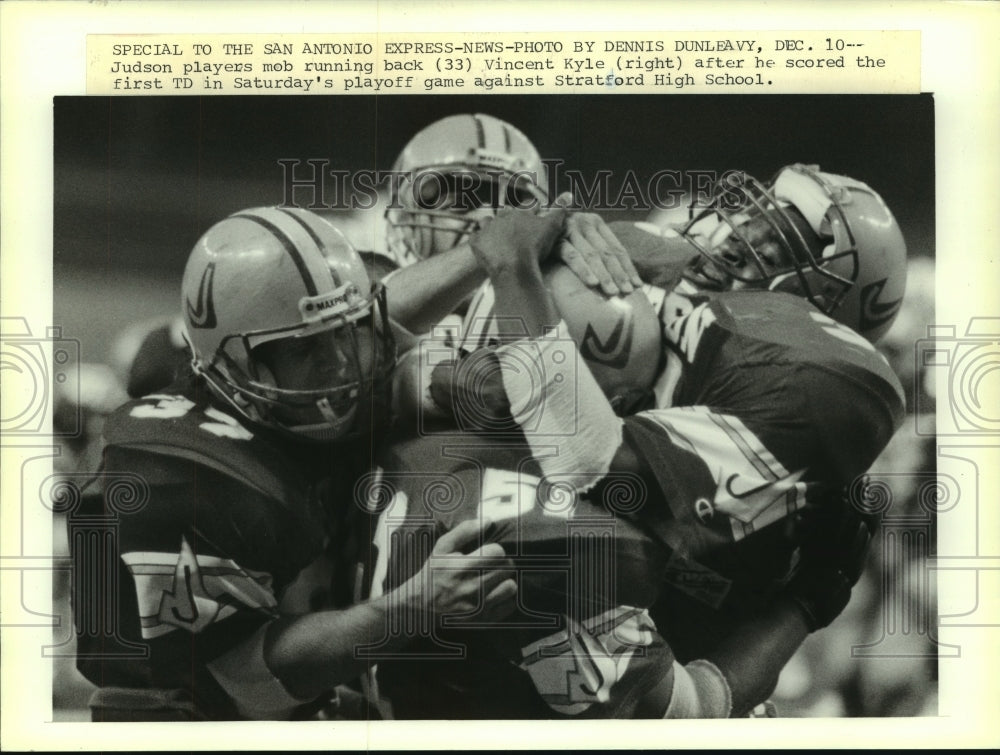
<point x="770" y="405"/>
<point x="817" y="394"/>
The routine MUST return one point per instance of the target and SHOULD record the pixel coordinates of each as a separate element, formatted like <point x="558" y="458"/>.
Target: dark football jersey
<point x="226" y="519"/>
<point x="764" y="403"/>
<point x="580" y="643"/>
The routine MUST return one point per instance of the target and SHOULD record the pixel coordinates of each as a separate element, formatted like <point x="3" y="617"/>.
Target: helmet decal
<point x="202" y="314"/>
<point x="345" y="300"/>
<point x="874" y="312"/>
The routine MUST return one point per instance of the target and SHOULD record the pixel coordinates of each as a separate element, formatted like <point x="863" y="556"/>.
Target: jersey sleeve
<point x="660" y="254"/>
<point x="205" y="548"/>
<point x="719" y="500"/>
<point x="201" y="567"/>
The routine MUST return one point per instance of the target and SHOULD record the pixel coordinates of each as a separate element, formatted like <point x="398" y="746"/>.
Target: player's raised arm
<point x="420" y="295"/>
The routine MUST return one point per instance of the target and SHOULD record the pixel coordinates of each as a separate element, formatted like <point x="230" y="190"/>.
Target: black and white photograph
<point x="496" y="408"/>
<point x="436" y="411"/>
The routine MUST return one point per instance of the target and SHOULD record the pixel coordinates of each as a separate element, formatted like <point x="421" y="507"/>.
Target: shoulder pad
<point x="174" y="425"/>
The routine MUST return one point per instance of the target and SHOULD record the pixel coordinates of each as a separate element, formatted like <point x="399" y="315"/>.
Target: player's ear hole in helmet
<point x="826" y="237"/>
<point x="286" y="327"/>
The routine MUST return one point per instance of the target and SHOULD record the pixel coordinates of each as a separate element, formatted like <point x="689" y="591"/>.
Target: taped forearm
<point x="566" y="419"/>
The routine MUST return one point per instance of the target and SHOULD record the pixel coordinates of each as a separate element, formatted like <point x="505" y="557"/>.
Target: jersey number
<point x="174" y="407"/>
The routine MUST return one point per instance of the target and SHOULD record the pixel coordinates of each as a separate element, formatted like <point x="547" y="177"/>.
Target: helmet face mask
<point x="823" y="237"/>
<point x="299" y="341"/>
<point x="313" y="382"/>
<point x="454" y="174"/>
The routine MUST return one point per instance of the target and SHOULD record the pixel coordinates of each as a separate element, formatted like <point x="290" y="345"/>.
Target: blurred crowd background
<point x="138" y="180"/>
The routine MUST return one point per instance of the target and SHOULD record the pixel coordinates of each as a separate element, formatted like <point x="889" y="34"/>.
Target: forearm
<point x="568" y="422"/>
<point x="752" y="658"/>
<point x="315" y="652"/>
<point x="523" y="306"/>
<point x="419" y="296"/>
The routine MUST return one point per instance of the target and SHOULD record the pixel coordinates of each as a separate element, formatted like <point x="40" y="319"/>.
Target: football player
<point x="242" y="478"/>
<point x="527" y="667"/>
<point x="150" y="355"/>
<point x="451" y="178"/>
<point x="452" y="175"/>
<point x="581" y="643"/>
<point x="764" y="403"/>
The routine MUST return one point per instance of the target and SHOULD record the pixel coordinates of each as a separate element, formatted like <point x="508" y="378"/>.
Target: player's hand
<point x="591" y="250"/>
<point x="834" y="541"/>
<point x="470" y="389"/>
<point x="459" y="578"/>
<point x="517" y="239"/>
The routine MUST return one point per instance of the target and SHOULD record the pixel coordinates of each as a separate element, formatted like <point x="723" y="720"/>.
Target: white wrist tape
<point x="565" y="416"/>
<point x="700" y="691"/>
<point x="244" y="675"/>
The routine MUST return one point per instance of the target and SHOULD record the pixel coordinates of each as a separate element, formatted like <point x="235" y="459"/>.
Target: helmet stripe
<point x="480" y="132"/>
<point x="506" y="139"/>
<point x="290" y="247"/>
<point x="316" y="239"/>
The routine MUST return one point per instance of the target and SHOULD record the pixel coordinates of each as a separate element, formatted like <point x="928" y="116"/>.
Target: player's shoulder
<point x="774" y="327"/>
<point x="181" y="426"/>
<point x="788" y="321"/>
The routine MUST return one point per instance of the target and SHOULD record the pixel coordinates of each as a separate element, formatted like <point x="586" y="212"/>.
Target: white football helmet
<point x="452" y="175"/>
<point x="848" y="253"/>
<point x="274" y="276"/>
